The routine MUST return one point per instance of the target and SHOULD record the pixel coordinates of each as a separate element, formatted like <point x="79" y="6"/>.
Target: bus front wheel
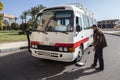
<point x="80" y="54"/>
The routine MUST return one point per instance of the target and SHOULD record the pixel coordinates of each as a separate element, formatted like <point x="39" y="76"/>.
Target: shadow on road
<point x="74" y="74"/>
<point x="22" y="66"/>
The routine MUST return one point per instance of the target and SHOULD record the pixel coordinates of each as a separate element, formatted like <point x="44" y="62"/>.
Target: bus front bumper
<point x="52" y="55"/>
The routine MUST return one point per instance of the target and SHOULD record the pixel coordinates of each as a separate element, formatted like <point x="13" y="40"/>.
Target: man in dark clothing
<point x="99" y="43"/>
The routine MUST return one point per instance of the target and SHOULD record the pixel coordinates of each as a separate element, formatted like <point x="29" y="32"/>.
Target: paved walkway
<point x="5" y="47"/>
<point x="117" y="33"/>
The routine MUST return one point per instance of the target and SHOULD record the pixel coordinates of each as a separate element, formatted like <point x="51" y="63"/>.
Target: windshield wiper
<point x="41" y="31"/>
<point x="62" y="32"/>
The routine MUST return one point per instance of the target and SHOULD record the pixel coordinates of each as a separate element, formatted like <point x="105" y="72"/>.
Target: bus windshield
<point x="54" y="21"/>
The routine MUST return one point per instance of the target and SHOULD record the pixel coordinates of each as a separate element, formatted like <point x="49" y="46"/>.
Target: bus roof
<point x="70" y="7"/>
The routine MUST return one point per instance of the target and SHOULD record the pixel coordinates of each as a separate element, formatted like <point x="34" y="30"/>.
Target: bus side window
<point x="76" y="20"/>
<point x="86" y="22"/>
<point x="78" y="24"/>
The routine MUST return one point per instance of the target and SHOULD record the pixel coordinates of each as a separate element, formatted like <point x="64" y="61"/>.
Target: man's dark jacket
<point x="99" y="39"/>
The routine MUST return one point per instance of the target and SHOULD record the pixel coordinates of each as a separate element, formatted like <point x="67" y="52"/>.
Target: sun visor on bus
<point x="55" y="8"/>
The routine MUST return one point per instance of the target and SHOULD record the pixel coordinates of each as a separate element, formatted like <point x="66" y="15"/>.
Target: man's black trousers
<point x="98" y="56"/>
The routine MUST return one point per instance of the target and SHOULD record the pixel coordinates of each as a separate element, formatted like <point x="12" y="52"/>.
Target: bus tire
<point x="80" y="54"/>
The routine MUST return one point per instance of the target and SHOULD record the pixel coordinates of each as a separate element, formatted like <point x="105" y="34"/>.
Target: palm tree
<point x="15" y="19"/>
<point x="25" y="13"/>
<point x="40" y="7"/>
<point x="31" y="12"/>
<point x="34" y="10"/>
<point x="22" y="17"/>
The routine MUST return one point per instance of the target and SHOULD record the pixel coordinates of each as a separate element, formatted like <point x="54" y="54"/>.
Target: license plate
<point x="43" y="53"/>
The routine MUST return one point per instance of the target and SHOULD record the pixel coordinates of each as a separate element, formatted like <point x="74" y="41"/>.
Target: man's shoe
<point x="93" y="66"/>
<point x="99" y="69"/>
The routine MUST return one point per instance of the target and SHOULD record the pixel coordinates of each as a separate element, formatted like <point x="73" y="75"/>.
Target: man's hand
<point x="94" y="49"/>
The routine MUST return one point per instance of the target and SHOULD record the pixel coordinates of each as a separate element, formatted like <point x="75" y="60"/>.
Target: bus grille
<point x="47" y="47"/>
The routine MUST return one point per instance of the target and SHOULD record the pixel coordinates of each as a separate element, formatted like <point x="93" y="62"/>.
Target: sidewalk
<point x="12" y="46"/>
<point x="116" y="33"/>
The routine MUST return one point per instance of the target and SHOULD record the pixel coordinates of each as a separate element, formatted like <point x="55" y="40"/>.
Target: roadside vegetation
<point x="17" y="31"/>
<point x="11" y="36"/>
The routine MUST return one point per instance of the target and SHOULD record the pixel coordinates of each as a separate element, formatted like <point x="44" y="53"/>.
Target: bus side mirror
<point x="78" y="28"/>
<point x="28" y="31"/>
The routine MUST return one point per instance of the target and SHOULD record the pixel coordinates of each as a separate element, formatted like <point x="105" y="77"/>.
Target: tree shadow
<point x="73" y="74"/>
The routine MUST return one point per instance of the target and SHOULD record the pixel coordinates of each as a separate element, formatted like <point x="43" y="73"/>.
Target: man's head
<point x="95" y="27"/>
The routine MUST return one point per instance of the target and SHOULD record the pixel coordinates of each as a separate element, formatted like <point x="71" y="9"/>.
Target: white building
<point x="10" y="18"/>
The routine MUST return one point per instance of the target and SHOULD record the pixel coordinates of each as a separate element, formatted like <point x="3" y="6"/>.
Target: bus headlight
<point x="35" y="46"/>
<point x="60" y="48"/>
<point x="65" y="49"/>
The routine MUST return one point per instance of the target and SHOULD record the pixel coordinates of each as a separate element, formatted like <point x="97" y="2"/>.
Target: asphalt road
<point x="20" y="65"/>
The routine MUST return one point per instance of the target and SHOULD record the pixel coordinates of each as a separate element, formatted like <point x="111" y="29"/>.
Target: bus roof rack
<point x="79" y="5"/>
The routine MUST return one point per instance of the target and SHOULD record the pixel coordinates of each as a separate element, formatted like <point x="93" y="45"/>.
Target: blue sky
<point x="102" y="9"/>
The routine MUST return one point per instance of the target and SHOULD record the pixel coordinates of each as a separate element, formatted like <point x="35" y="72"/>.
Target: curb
<point x="13" y="49"/>
<point x="113" y="34"/>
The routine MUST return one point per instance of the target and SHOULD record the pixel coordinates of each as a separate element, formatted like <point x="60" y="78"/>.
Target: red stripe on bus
<point x="64" y="45"/>
<point x="75" y="45"/>
<point x="34" y="42"/>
